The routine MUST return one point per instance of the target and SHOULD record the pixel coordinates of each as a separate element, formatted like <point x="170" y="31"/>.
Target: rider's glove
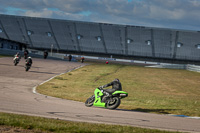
<point x="100" y="87"/>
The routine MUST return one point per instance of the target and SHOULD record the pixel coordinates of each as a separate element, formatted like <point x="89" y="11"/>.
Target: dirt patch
<point x="9" y="129"/>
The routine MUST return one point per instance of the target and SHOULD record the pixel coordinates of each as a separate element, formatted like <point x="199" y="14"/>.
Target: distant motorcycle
<point x="25" y="55"/>
<point x="28" y="63"/>
<point x="45" y="54"/>
<point x="16" y="60"/>
<point x="82" y="59"/>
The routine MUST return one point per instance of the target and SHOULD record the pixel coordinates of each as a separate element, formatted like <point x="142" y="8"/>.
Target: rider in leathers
<point x="116" y="85"/>
<point x="17" y="56"/>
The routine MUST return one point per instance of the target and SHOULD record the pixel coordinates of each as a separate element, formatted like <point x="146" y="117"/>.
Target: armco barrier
<point x="178" y="66"/>
<point x="55" y="55"/>
<point x="193" y="68"/>
<point x="173" y="66"/>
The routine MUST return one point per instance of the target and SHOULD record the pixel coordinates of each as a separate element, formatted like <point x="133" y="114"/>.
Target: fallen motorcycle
<point x="105" y="98"/>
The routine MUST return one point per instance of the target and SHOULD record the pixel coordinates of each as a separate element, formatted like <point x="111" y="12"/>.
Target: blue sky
<point x="175" y="14"/>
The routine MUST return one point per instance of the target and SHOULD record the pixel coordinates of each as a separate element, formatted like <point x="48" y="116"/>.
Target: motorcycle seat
<point x="110" y="91"/>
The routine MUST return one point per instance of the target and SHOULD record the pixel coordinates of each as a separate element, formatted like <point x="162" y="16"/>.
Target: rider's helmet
<point x="29" y="57"/>
<point x="116" y="80"/>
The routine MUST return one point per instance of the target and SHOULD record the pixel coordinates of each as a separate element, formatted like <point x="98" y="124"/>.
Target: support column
<point x="103" y="41"/>
<point x="152" y="43"/>
<point x="175" y="46"/>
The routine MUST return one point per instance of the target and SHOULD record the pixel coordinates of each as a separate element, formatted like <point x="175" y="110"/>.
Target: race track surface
<point x="16" y="96"/>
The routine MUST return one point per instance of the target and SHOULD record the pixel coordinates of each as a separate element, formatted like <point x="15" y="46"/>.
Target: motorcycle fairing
<point x="122" y="94"/>
<point x="97" y="101"/>
<point x="118" y="92"/>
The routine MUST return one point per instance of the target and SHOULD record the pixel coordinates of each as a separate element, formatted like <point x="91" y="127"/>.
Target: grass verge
<point x="38" y="125"/>
<point x="1" y="56"/>
<point x="166" y="91"/>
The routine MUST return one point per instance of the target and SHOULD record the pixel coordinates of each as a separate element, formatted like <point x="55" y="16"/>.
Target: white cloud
<point x="162" y="13"/>
<point x="43" y="13"/>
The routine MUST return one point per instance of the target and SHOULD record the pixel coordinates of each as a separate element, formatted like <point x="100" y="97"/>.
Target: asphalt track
<point x="16" y="96"/>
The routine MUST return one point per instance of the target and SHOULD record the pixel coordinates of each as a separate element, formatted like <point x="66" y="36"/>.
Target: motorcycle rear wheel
<point x="89" y="102"/>
<point x="27" y="68"/>
<point x="113" y="103"/>
<point x="15" y="62"/>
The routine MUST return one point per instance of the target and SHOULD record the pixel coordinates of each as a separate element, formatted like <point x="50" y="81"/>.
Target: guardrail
<point x="179" y="66"/>
<point x="55" y="55"/>
<point x="193" y="68"/>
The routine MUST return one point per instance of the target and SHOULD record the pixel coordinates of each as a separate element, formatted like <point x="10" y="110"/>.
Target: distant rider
<point x="17" y="55"/>
<point x="45" y="54"/>
<point x="70" y="57"/>
<point x="82" y="59"/>
<point x="26" y="53"/>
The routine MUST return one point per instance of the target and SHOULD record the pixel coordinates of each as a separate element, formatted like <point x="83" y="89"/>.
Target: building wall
<point x="9" y="45"/>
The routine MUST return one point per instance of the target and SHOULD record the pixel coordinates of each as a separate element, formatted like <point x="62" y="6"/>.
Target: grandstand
<point x="100" y="39"/>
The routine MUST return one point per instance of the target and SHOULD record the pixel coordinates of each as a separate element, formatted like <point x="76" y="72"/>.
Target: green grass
<point x="1" y="56"/>
<point x="166" y="91"/>
<point x="38" y="124"/>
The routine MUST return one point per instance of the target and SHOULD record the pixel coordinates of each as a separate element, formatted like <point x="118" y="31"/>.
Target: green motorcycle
<point x="106" y="98"/>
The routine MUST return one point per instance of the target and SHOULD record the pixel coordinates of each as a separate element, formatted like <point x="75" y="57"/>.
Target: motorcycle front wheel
<point x="27" y="68"/>
<point x="15" y="62"/>
<point x="89" y="102"/>
<point x="113" y="103"/>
